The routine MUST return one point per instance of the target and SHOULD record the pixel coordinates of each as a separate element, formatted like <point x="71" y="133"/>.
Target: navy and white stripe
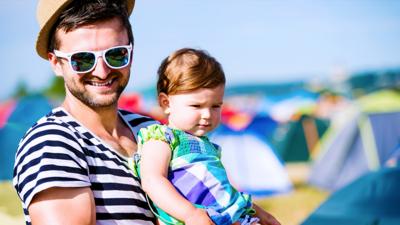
<point x="59" y="152"/>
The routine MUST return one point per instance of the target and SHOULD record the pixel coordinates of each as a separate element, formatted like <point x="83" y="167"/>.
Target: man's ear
<point x="55" y="64"/>
<point x="163" y="101"/>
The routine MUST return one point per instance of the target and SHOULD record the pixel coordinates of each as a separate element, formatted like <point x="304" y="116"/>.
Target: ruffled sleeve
<point x="152" y="132"/>
<point x="156" y="132"/>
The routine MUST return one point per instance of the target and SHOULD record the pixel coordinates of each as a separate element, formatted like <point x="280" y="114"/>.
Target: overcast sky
<point x="255" y="40"/>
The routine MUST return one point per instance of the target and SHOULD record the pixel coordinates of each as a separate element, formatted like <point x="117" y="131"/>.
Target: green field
<point x="289" y="209"/>
<point x="294" y="207"/>
<point x="10" y="206"/>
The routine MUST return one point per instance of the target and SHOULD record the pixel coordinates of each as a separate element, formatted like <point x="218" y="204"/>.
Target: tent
<point x="359" y="140"/>
<point x="263" y="125"/>
<point x="295" y="140"/>
<point x="372" y="199"/>
<point x="5" y="110"/>
<point x="131" y="102"/>
<point x="250" y="161"/>
<point x="25" y="113"/>
<point x="394" y="158"/>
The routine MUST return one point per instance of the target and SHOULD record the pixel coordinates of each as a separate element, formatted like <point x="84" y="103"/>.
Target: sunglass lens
<point x="117" y="57"/>
<point x="83" y="61"/>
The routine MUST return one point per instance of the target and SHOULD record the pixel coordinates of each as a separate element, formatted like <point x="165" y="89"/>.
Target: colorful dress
<point x="197" y="173"/>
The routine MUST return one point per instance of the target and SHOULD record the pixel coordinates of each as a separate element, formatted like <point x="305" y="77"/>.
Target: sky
<point x="256" y="41"/>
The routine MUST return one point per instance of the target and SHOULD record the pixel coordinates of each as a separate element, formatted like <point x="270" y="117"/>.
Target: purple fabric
<point x="192" y="188"/>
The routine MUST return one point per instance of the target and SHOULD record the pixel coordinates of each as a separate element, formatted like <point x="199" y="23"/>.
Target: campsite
<point x="302" y="152"/>
<point x="310" y="123"/>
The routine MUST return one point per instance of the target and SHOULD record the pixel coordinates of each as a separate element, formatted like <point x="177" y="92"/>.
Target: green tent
<point x="295" y="140"/>
<point x="373" y="199"/>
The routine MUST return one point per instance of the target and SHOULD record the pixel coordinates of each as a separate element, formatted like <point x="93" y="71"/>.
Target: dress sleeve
<point x="218" y="149"/>
<point x="156" y="132"/>
<point x="151" y="132"/>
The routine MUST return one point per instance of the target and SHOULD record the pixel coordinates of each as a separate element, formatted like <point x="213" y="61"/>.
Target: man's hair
<point x="187" y="70"/>
<point x="80" y="13"/>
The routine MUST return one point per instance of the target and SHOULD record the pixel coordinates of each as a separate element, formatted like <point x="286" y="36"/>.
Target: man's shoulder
<point x="137" y="120"/>
<point x="56" y="123"/>
<point x="56" y="117"/>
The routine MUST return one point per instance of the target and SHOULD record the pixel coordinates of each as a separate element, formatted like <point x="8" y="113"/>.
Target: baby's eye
<point x="195" y="106"/>
<point x="216" y="106"/>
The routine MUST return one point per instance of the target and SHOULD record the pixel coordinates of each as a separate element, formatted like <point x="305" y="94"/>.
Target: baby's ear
<point x="163" y="101"/>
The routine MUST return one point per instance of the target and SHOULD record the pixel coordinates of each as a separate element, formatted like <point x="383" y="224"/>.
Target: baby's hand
<point x="198" y="217"/>
<point x="265" y="217"/>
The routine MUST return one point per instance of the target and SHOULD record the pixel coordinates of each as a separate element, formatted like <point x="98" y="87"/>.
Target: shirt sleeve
<point x="49" y="156"/>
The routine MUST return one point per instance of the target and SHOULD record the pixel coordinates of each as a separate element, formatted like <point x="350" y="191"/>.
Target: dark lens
<point x="117" y="57"/>
<point x="82" y="61"/>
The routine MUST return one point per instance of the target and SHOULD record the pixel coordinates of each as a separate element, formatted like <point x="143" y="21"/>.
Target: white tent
<point x="251" y="164"/>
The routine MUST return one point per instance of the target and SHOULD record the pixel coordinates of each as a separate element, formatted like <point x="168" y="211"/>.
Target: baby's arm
<point x="155" y="159"/>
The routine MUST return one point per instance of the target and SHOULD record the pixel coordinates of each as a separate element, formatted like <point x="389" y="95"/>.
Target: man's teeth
<point x="100" y="84"/>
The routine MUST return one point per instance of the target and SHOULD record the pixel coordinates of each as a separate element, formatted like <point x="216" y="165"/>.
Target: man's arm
<point x="265" y="218"/>
<point x="56" y="206"/>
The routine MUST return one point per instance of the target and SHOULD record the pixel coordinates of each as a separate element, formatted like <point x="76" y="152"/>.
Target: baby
<point x="180" y="169"/>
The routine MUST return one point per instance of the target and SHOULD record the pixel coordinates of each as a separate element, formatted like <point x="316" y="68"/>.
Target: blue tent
<point x="372" y="199"/>
<point x="361" y="139"/>
<point x="27" y="111"/>
<point x="394" y="158"/>
<point x="250" y="161"/>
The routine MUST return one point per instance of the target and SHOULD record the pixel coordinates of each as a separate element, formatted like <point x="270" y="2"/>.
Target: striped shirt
<point x="60" y="152"/>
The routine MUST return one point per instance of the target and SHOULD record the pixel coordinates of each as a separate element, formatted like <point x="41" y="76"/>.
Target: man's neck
<point x="105" y="123"/>
<point x="99" y="119"/>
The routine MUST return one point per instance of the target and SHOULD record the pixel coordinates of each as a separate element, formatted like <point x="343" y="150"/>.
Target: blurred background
<point x="312" y="108"/>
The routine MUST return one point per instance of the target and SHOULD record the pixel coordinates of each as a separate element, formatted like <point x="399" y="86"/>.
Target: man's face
<point x="102" y="86"/>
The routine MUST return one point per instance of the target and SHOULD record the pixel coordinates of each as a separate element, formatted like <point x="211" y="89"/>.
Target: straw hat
<point x="48" y="12"/>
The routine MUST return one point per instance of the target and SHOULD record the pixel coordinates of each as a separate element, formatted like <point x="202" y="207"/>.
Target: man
<point x="72" y="166"/>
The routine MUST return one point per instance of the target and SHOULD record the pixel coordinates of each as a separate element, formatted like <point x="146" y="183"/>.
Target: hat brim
<point x="42" y="41"/>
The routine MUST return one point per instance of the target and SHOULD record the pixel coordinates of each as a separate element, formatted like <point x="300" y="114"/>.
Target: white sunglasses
<point x="84" y="61"/>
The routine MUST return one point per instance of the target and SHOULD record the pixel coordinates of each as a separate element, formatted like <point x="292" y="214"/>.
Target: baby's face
<point x="197" y="112"/>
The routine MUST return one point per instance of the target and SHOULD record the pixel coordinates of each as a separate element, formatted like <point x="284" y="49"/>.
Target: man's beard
<point x="97" y="101"/>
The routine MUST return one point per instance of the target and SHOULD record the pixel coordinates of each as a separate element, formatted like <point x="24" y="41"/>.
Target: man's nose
<point x="101" y="70"/>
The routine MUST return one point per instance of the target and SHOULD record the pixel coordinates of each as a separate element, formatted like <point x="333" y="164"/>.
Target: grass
<point x="9" y="201"/>
<point x="10" y="206"/>
<point x="290" y="209"/>
<point x="294" y="207"/>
